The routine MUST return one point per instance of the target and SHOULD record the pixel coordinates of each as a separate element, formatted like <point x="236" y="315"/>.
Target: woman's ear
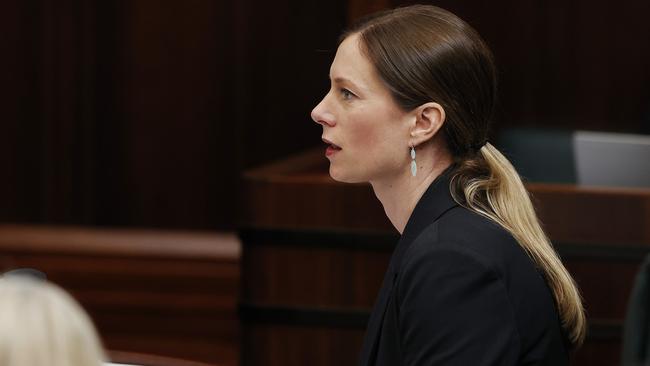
<point x="429" y="118"/>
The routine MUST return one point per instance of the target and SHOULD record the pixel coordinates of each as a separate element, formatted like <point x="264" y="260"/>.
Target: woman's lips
<point x="332" y="148"/>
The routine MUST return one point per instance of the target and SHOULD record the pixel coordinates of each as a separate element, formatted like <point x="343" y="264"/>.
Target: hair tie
<point x="477" y="147"/>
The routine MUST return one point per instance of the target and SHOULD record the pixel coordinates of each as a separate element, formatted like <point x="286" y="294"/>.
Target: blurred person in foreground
<point x="41" y="324"/>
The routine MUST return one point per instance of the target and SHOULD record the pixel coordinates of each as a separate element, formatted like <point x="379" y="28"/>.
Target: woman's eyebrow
<point x="342" y="80"/>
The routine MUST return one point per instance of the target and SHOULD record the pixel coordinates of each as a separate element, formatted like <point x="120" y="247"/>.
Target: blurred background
<point x="128" y="120"/>
<point x="144" y="113"/>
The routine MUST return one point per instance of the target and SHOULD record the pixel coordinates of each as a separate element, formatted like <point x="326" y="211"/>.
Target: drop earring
<point x="414" y="165"/>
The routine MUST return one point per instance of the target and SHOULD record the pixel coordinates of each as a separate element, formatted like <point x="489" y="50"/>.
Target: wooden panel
<point x="598" y="352"/>
<point x="144" y="113"/>
<point x="309" y="276"/>
<point x="278" y="345"/>
<point x="132" y="358"/>
<point x="149" y="291"/>
<point x="614" y="216"/>
<point x="278" y="197"/>
<point x="605" y="295"/>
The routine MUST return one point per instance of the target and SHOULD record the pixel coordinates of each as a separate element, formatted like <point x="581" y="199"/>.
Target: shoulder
<point x="465" y="252"/>
<point x="467" y="236"/>
<point x="451" y="301"/>
<point x="465" y="276"/>
<point x="461" y="251"/>
<point x="455" y="251"/>
<point x="461" y="235"/>
<point x="464" y="240"/>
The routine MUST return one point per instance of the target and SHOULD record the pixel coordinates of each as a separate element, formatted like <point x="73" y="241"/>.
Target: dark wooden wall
<point x="573" y="64"/>
<point x="142" y="113"/>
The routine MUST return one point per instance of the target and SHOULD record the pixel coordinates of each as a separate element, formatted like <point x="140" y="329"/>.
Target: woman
<point x="473" y="279"/>
<point x="40" y="324"/>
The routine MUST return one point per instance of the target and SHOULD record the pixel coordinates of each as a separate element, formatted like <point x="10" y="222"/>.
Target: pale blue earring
<point x="414" y="165"/>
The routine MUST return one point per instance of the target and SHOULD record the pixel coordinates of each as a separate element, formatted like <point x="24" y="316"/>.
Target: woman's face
<point x="366" y="132"/>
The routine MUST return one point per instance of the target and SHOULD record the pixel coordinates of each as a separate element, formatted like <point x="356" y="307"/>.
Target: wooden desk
<point x="314" y="254"/>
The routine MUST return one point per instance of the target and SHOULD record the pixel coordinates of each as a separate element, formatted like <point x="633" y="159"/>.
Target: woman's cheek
<point x="364" y="135"/>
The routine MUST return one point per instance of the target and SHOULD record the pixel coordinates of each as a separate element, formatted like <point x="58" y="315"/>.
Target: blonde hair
<point x="40" y="324"/>
<point x="424" y="53"/>
<point x="489" y="185"/>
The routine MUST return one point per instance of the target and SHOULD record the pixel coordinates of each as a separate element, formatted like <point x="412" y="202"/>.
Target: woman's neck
<point x="400" y="195"/>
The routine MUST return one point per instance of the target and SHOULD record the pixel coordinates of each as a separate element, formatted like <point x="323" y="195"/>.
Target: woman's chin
<point x="344" y="177"/>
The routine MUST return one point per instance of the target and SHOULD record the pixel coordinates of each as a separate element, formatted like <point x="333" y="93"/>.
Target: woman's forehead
<point x="352" y="65"/>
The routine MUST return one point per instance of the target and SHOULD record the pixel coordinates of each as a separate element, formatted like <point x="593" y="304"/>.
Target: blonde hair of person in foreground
<point x="42" y="325"/>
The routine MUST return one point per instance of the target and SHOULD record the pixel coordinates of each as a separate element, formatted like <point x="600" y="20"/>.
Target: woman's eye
<point x="346" y="94"/>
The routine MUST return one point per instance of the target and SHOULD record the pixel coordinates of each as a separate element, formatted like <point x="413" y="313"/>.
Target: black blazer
<point x="459" y="290"/>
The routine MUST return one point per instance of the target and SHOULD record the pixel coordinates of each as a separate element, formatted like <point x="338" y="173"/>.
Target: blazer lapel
<point x="373" y="331"/>
<point x="434" y="203"/>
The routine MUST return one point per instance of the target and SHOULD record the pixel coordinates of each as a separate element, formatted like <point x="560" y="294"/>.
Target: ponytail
<point x="424" y="54"/>
<point x="489" y="185"/>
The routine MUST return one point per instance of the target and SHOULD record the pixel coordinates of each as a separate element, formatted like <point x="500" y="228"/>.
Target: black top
<point x="459" y="290"/>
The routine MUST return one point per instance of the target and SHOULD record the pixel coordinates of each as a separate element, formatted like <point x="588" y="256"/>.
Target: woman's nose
<point x="321" y="115"/>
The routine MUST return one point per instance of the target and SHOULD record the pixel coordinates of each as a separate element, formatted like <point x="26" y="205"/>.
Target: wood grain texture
<point x="155" y="292"/>
<point x="144" y="114"/>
